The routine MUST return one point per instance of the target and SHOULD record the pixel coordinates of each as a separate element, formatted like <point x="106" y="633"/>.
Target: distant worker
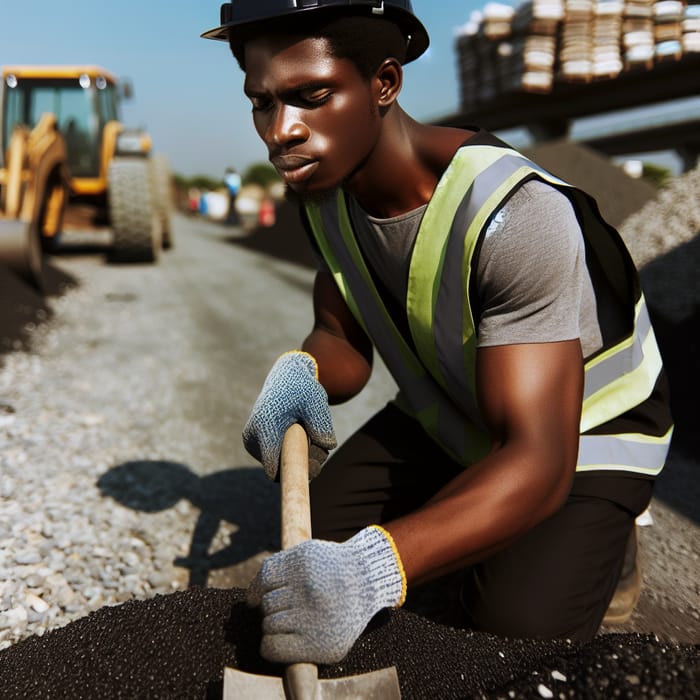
<point x="233" y="186"/>
<point x="194" y="196"/>
<point x="533" y="413"/>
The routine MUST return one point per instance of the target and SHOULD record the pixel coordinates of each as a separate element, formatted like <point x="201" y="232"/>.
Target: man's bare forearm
<point x="484" y="509"/>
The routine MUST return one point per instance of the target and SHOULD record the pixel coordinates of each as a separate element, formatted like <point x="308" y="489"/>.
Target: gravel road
<point x="122" y="473"/>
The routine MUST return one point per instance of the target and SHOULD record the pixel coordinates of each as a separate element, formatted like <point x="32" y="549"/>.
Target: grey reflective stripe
<point x="448" y="318"/>
<point x="377" y="322"/>
<point x="622" y="453"/>
<point x="451" y="297"/>
<point x="418" y="386"/>
<point x="621" y="362"/>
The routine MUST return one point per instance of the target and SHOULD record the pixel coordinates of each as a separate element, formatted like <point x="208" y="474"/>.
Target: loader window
<point x="14" y="114"/>
<point x="73" y="108"/>
<point x="75" y="112"/>
<point x="107" y="104"/>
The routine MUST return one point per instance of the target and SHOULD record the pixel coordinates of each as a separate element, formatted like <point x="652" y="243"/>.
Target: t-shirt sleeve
<point x="531" y="270"/>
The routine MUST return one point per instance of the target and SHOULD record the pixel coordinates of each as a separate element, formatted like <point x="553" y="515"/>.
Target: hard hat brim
<point x="409" y="23"/>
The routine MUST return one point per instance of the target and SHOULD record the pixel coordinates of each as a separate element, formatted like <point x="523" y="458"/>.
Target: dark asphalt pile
<point x="176" y="646"/>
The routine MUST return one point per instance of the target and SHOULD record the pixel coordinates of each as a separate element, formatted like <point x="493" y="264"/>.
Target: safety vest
<point x="435" y="367"/>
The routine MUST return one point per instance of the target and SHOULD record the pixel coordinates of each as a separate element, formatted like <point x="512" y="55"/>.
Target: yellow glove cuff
<point x="399" y="563"/>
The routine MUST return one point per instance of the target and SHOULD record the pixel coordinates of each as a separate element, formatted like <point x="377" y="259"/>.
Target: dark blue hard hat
<point x="239" y="12"/>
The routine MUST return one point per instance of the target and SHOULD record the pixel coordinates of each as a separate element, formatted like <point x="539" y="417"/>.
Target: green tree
<point x="202" y="182"/>
<point x="262" y="174"/>
<point x="656" y="174"/>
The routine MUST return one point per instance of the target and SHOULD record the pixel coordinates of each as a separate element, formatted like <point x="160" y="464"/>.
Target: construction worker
<point x="532" y="414"/>
<point x="232" y="180"/>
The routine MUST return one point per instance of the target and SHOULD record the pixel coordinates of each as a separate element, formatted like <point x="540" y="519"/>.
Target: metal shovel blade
<point x="376" y="685"/>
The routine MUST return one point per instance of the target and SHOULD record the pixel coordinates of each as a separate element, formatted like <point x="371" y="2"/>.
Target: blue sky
<point x="187" y="90"/>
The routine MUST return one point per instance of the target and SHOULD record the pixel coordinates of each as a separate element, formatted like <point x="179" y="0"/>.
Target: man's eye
<point x="316" y="98"/>
<point x="260" y="104"/>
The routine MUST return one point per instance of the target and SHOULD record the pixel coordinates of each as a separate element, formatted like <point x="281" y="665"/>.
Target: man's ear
<point x="387" y="82"/>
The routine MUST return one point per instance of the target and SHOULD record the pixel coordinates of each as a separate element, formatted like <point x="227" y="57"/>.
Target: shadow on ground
<point x="243" y="497"/>
<point x="71" y="248"/>
<point x="24" y="307"/>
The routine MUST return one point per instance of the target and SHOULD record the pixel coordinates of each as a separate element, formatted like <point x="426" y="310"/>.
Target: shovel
<point x="301" y="681"/>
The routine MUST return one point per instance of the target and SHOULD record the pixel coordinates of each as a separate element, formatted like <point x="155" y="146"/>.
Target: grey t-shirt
<point x="531" y="277"/>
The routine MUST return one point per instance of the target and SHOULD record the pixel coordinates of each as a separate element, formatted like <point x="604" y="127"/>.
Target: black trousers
<point x="555" y="581"/>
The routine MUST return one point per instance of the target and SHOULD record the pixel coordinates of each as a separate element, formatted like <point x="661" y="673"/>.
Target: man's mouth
<point x="294" y="169"/>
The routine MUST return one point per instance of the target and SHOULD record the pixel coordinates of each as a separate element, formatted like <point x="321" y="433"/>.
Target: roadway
<point x="196" y="334"/>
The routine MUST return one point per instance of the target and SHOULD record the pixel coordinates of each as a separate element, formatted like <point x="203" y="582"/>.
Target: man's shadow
<point x="241" y="496"/>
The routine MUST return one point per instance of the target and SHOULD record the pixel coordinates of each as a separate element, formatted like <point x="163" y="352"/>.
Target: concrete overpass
<point x="549" y="116"/>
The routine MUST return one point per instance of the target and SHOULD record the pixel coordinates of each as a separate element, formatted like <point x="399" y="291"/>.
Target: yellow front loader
<point x="111" y="168"/>
<point x="33" y="194"/>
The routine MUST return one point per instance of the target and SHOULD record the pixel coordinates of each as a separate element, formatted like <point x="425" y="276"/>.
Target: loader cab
<point x="83" y="101"/>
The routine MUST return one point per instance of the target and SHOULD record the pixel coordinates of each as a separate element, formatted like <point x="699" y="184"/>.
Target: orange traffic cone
<point x="266" y="215"/>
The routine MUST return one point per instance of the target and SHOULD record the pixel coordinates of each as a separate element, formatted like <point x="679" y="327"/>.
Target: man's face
<point x="314" y="112"/>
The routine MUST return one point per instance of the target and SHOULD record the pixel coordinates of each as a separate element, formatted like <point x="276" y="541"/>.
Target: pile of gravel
<point x="668" y="221"/>
<point x="664" y="240"/>
<point x="71" y="426"/>
<point x="176" y="646"/>
<point x="618" y="196"/>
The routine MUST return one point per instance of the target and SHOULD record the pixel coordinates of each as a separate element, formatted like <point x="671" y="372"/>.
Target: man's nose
<point x="287" y="127"/>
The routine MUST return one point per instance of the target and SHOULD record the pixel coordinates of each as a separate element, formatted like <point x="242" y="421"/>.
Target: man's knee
<point x="518" y="616"/>
<point x="565" y="603"/>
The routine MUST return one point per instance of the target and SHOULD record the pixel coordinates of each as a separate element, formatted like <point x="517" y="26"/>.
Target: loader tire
<point x="161" y="179"/>
<point x="134" y="217"/>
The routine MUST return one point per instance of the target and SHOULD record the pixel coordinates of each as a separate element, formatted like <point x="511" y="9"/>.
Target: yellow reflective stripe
<point x="622" y="358"/>
<point x="627" y="390"/>
<point x="631" y="452"/>
<point x="427" y="261"/>
<point x="313" y="213"/>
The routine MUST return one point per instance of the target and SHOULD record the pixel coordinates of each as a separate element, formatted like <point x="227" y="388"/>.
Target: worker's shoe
<point x="628" y="588"/>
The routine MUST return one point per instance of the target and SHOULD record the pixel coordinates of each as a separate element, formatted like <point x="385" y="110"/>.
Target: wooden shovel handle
<point x="300" y="680"/>
<point x="294" y="477"/>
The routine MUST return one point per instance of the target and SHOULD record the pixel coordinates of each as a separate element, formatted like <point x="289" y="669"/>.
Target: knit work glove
<point x="290" y="394"/>
<point x="318" y="597"/>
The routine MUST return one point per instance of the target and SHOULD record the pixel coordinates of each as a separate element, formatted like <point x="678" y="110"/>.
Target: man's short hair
<point x="366" y="41"/>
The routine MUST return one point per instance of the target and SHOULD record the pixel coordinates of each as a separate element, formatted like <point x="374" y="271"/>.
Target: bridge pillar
<point x="549" y="130"/>
<point x="689" y="154"/>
